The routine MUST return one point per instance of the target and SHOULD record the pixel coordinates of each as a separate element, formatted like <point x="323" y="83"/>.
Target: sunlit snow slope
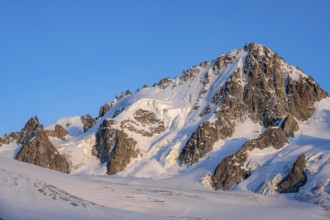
<point x="31" y="192"/>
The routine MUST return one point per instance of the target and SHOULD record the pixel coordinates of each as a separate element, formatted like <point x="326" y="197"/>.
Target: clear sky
<point x="63" y="58"/>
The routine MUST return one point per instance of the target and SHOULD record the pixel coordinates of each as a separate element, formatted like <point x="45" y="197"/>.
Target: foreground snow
<point x="31" y="192"/>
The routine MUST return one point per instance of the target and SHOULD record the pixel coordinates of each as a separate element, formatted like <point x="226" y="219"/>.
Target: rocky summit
<point x="246" y="120"/>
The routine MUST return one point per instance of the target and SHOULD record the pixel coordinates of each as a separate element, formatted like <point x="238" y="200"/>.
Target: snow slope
<point x="60" y="196"/>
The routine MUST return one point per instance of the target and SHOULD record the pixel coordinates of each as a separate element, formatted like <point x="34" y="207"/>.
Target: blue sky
<point x="64" y="58"/>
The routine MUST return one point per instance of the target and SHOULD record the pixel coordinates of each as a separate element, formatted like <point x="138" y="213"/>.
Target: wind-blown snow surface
<point x="31" y="192"/>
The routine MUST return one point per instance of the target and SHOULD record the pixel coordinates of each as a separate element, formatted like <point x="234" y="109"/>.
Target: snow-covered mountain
<point x="246" y="121"/>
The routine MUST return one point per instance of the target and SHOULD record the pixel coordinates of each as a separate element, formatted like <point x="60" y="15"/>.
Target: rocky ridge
<point x="259" y="89"/>
<point x="59" y="132"/>
<point x="232" y="169"/>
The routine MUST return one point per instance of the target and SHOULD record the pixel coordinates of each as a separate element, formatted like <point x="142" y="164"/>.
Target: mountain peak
<point x="253" y="45"/>
<point x="219" y="116"/>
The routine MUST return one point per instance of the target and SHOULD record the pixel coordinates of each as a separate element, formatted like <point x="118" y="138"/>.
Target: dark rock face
<point x="122" y="153"/>
<point x="290" y="126"/>
<point x="88" y="121"/>
<point x="302" y="95"/>
<point x="229" y="100"/>
<point x="231" y="170"/>
<point x="296" y="178"/>
<point x="31" y="128"/>
<point x="269" y="94"/>
<point x="114" y="147"/>
<point x="151" y="124"/>
<point x="146" y="117"/>
<point x="105" y="140"/>
<point x="199" y="144"/>
<point x="164" y="83"/>
<point x="189" y="74"/>
<point x="36" y="147"/>
<point x="41" y="152"/>
<point x="59" y="132"/>
<point x="104" y="108"/>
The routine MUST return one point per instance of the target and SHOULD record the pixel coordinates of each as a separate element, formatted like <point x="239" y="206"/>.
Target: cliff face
<point x="260" y="88"/>
<point x="232" y="169"/>
<point x="114" y="147"/>
<point x="296" y="178"/>
<point x="41" y="152"/>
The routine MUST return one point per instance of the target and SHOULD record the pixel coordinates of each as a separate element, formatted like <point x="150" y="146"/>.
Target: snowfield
<point x="31" y="192"/>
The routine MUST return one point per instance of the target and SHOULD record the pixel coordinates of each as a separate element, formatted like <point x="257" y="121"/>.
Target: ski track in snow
<point x="104" y="197"/>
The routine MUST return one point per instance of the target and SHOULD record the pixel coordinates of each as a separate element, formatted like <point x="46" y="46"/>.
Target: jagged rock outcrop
<point x="29" y="131"/>
<point x="88" y="121"/>
<point x="189" y="74"/>
<point x="199" y="144"/>
<point x="59" y="132"/>
<point x="41" y="152"/>
<point x="296" y="178"/>
<point x="31" y="128"/>
<point x="114" y="147"/>
<point x="106" y="107"/>
<point x="164" y="83"/>
<point x="228" y="102"/>
<point x="262" y="89"/>
<point x="302" y="94"/>
<point x="9" y="138"/>
<point x="290" y="126"/>
<point x="36" y="147"/>
<point x="272" y="92"/>
<point x="231" y="170"/>
<point x="122" y="154"/>
<point x="105" y="140"/>
<point x="151" y="124"/>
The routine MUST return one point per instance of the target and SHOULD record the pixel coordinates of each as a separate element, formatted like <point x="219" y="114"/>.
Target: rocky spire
<point x="41" y="152"/>
<point x="31" y="128"/>
<point x="37" y="149"/>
